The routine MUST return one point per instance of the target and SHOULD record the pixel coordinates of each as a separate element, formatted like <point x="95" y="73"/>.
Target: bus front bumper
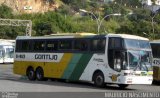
<point x="136" y="79"/>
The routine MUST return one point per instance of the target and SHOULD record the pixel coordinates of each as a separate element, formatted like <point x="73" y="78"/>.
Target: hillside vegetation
<point x="69" y="18"/>
<point x="31" y="6"/>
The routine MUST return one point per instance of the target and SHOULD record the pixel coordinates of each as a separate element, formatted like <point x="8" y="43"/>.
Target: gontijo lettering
<point x="46" y="56"/>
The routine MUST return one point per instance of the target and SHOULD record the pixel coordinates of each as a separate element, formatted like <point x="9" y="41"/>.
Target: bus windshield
<point x="136" y="44"/>
<point x="9" y="52"/>
<point x="140" y="60"/>
<point x="139" y="54"/>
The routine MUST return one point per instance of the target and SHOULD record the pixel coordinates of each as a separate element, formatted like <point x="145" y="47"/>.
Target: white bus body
<point x="6" y="51"/>
<point x="114" y="58"/>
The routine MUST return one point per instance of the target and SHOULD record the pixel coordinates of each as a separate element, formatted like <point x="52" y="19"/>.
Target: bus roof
<point x="127" y="36"/>
<point x="72" y="34"/>
<point x="9" y="40"/>
<point x="6" y="42"/>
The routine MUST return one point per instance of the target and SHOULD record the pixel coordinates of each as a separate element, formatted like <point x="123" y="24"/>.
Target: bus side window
<point x="39" y="45"/>
<point x="98" y="45"/>
<point x="65" y="44"/>
<point x="80" y="45"/>
<point x="23" y="46"/>
<point x="101" y="44"/>
<point x="52" y="45"/>
<point x="84" y="45"/>
<point x="18" y="46"/>
<point x="77" y="45"/>
<point x="115" y="43"/>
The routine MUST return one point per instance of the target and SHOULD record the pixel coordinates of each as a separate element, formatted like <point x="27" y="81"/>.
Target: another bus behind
<point x="156" y="60"/>
<point x="6" y="51"/>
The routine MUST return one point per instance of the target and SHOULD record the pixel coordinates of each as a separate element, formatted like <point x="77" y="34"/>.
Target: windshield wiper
<point x="138" y="66"/>
<point x="146" y="67"/>
<point x="141" y="66"/>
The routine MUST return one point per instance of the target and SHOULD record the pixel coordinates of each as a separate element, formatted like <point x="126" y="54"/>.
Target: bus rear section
<point x="102" y="59"/>
<point x="155" y="45"/>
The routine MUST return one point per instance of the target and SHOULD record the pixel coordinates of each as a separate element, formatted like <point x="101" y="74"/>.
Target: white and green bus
<point x="113" y="58"/>
<point x="155" y="45"/>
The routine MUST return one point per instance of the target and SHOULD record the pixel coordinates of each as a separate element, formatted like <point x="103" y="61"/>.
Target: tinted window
<point x="81" y="45"/>
<point x="39" y="45"/>
<point x="18" y="45"/>
<point x="115" y="43"/>
<point x="52" y="45"/>
<point x="23" y="45"/>
<point x="98" y="45"/>
<point x="75" y="45"/>
<point x="65" y="44"/>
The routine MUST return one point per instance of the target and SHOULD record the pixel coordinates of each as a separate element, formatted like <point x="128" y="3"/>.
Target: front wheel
<point x="98" y="79"/>
<point x="154" y="82"/>
<point x="123" y="86"/>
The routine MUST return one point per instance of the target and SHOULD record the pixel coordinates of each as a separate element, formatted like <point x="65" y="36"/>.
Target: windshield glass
<point x="136" y="44"/>
<point x="9" y="52"/>
<point x="140" y="60"/>
<point x="1" y="52"/>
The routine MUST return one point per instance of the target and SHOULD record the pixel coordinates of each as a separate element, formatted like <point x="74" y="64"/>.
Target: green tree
<point x="43" y="28"/>
<point x="126" y="27"/>
<point x="140" y="14"/>
<point x="8" y="32"/>
<point x="5" y="12"/>
<point x="110" y="26"/>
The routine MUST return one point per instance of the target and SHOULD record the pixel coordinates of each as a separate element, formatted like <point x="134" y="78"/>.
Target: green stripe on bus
<point x="72" y="64"/>
<point x="81" y="65"/>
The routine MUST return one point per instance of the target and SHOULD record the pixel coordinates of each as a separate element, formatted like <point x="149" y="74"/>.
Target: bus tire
<point x="123" y="86"/>
<point x="155" y="82"/>
<point x="40" y="74"/>
<point x="31" y="74"/>
<point x="98" y="79"/>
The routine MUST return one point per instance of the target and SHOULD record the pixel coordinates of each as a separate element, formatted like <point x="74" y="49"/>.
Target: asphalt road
<point x="10" y="82"/>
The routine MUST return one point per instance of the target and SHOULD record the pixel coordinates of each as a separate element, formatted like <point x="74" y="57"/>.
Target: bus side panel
<point x="72" y="64"/>
<point x="56" y="69"/>
<point x="20" y="67"/>
<point x="97" y="62"/>
<point x="80" y="66"/>
<point x="51" y="69"/>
